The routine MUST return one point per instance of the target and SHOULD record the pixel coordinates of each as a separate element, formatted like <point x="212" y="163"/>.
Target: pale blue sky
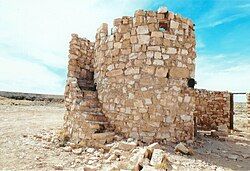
<point x="34" y="36"/>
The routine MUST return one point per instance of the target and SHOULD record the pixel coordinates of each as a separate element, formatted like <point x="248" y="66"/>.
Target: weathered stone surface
<point x="77" y="151"/>
<point x="143" y="39"/>
<point x="149" y="69"/>
<point x="181" y="148"/>
<point x="178" y="72"/>
<point x="161" y="72"/>
<point x="114" y="73"/>
<point x="174" y="24"/>
<point x="170" y="36"/>
<point x="127" y="146"/>
<point x="158" y="157"/>
<point x="142" y="30"/>
<point x="130" y="71"/>
<point x="158" y="62"/>
<point x="155" y="145"/>
<point x="149" y="168"/>
<point x="171" y="51"/>
<point x="67" y="149"/>
<point x="212" y="110"/>
<point x="157" y="34"/>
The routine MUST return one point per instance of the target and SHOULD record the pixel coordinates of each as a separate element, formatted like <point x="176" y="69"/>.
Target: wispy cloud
<point x="22" y="75"/>
<point x="200" y="44"/>
<point x="223" y="72"/>
<point x="226" y="20"/>
<point x="34" y="38"/>
<point x="221" y="13"/>
<point x="244" y="6"/>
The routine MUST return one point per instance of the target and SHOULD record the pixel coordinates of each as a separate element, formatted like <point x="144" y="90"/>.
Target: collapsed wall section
<point x="84" y="121"/>
<point x="212" y="109"/>
<point x="141" y="72"/>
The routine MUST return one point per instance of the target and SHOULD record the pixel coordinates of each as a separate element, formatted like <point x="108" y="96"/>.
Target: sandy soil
<point x="27" y="128"/>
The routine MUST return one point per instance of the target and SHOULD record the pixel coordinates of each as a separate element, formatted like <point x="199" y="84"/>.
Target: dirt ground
<point x="26" y="129"/>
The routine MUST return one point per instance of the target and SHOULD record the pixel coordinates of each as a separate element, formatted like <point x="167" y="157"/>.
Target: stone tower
<point x="134" y="81"/>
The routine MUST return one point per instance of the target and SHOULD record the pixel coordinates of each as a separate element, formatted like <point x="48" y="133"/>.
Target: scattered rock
<point x="67" y="149"/>
<point x="245" y="156"/>
<point x="233" y="156"/>
<point x="130" y="140"/>
<point x="154" y="146"/>
<point x="38" y="136"/>
<point x="77" y="151"/>
<point x="117" y="138"/>
<point x="46" y="146"/>
<point x="183" y="149"/>
<point x="223" y="128"/>
<point x="58" y="167"/>
<point x="90" y="150"/>
<point x="149" y="168"/>
<point x="126" y="146"/>
<point x="111" y="158"/>
<point x="90" y="168"/>
<point x="159" y="157"/>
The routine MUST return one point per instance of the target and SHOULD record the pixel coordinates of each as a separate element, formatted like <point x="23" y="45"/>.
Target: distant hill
<point x="32" y="96"/>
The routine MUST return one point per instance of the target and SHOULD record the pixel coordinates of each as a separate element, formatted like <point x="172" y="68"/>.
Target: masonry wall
<point x="212" y="109"/>
<point x="80" y="67"/>
<point x="141" y="72"/>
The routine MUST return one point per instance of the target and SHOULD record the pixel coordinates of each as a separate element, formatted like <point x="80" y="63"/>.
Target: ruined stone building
<point x="138" y="82"/>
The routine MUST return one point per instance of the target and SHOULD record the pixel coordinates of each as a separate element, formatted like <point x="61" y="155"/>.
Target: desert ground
<point x="27" y="143"/>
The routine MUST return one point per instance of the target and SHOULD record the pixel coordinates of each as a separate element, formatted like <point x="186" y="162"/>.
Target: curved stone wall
<point x="141" y="72"/>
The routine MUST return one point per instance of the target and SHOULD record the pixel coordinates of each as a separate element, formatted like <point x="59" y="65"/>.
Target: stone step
<point x="90" y="103"/>
<point x="97" y="122"/>
<point x="95" y="117"/>
<point x="93" y="110"/>
<point x="90" y="94"/>
<point x="93" y="113"/>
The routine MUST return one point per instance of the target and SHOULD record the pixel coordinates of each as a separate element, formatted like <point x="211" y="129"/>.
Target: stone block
<point x="114" y="73"/>
<point x="143" y="39"/>
<point x="171" y="51"/>
<point x="158" y="157"/>
<point x="133" y="39"/>
<point x="177" y="72"/>
<point x="142" y="29"/>
<point x="158" y="62"/>
<point x="154" y="48"/>
<point x="157" y="34"/>
<point x="170" y="36"/>
<point x="186" y="118"/>
<point x="148" y="69"/>
<point x="130" y="71"/>
<point x="161" y="72"/>
<point x="174" y="24"/>
<point x="157" y="55"/>
<point x="126" y="146"/>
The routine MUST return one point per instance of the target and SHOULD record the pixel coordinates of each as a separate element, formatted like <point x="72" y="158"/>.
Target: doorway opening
<point x="239" y="119"/>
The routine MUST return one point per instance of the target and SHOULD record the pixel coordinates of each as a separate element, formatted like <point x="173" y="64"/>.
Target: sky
<point x="35" y="35"/>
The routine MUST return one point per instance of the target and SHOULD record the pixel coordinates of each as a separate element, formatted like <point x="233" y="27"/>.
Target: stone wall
<point x="212" y="109"/>
<point x="84" y="121"/>
<point x="141" y="72"/>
